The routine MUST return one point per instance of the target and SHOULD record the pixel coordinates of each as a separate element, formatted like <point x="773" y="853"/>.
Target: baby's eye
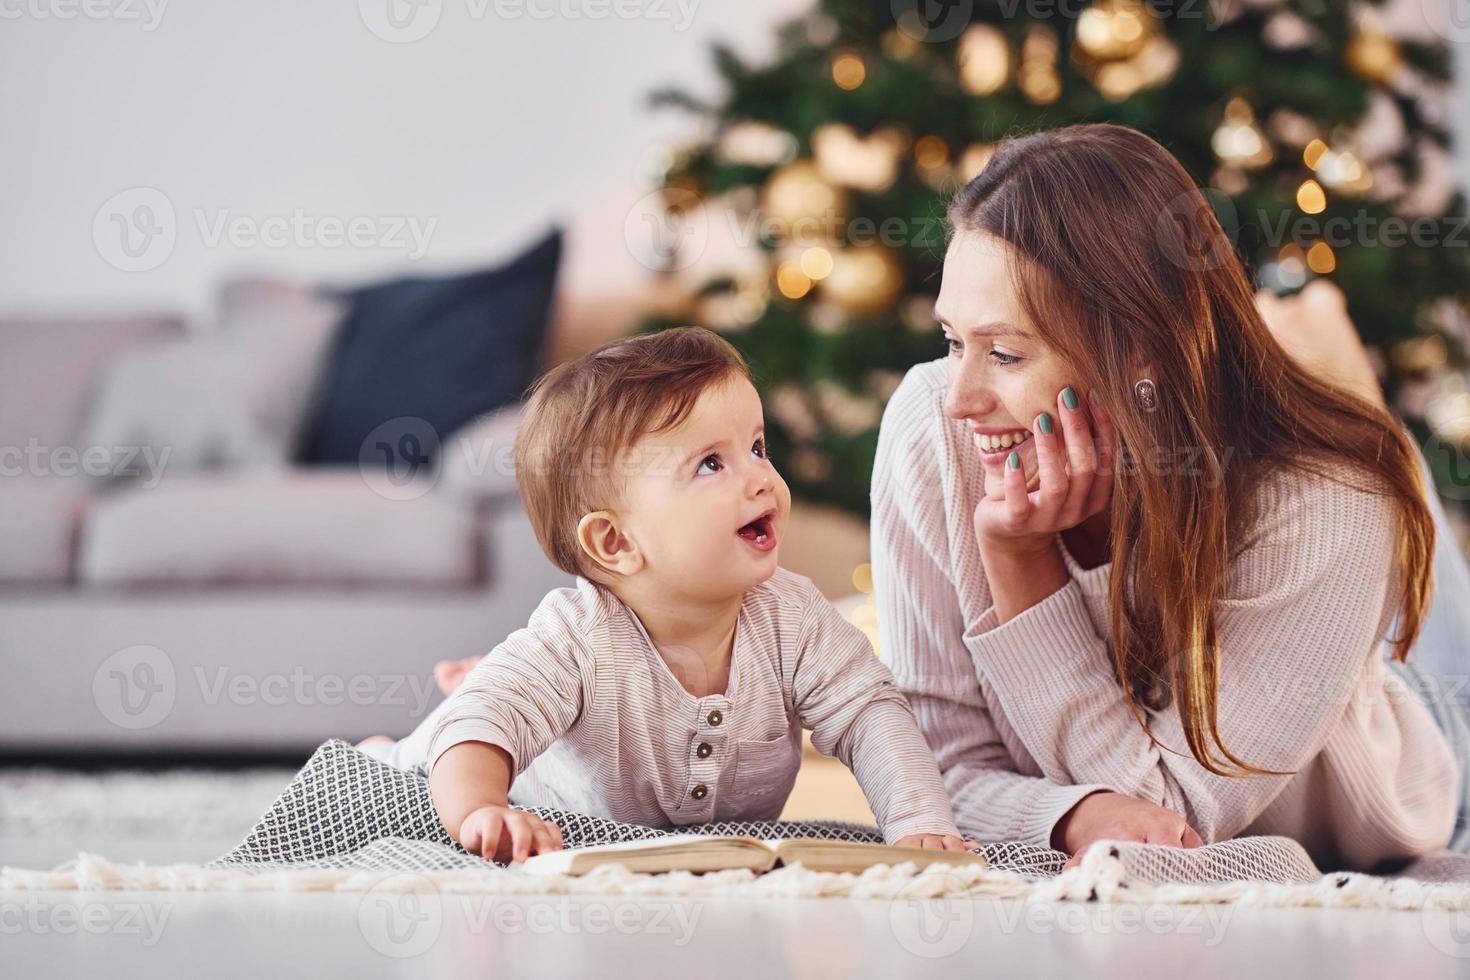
<point x="711" y="458"/>
<point x="759" y="449"/>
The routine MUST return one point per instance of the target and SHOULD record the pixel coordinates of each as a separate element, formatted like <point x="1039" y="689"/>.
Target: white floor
<point x="327" y="935"/>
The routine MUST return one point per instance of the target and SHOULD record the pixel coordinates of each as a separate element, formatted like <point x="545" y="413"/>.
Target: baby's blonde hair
<point x="585" y="412"/>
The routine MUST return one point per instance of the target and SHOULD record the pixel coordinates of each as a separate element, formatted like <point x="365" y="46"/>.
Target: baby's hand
<point x="502" y="834"/>
<point x="936" y="842"/>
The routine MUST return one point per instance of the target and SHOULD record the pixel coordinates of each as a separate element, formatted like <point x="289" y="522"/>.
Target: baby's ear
<point x="605" y="543"/>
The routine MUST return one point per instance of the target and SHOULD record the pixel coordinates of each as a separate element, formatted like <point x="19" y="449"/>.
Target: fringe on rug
<point x="1099" y="878"/>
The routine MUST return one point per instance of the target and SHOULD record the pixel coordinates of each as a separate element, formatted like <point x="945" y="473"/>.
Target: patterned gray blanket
<point x="347" y="811"/>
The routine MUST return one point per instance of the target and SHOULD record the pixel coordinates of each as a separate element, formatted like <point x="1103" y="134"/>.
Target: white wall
<point x="490" y="126"/>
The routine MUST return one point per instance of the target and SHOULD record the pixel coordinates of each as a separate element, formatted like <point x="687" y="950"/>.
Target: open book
<point x="696" y="852"/>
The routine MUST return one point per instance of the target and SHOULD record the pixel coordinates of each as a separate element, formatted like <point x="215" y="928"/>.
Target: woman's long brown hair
<point x="1123" y="261"/>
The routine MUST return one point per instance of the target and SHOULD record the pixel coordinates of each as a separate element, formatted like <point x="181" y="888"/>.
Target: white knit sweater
<point x="1026" y="718"/>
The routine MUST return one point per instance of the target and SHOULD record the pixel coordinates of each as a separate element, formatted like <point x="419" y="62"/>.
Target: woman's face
<point x="1002" y="374"/>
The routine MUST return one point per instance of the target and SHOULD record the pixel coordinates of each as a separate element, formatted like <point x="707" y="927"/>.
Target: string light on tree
<point x="1320" y="258"/>
<point x="1341" y="171"/>
<point x="1114" y="29"/>
<point x="1310" y="197"/>
<point x="1039" y="80"/>
<point x="1238" y="141"/>
<point x="1121" y="47"/>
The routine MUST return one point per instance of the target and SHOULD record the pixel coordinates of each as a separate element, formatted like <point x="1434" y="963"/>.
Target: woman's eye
<point x="1003" y="360"/>
<point x="708" y="460"/>
<point x="953" y="345"/>
<point x="759" y="449"/>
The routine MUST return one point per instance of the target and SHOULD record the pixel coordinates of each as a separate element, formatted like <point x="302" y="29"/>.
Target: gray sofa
<point x="218" y="598"/>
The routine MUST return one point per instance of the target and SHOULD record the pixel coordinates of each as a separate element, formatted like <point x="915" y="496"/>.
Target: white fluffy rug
<point x="47" y="815"/>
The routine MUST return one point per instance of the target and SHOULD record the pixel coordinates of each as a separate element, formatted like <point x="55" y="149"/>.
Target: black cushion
<point x="429" y="355"/>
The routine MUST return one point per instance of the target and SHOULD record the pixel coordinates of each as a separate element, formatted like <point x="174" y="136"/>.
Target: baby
<point x="672" y="684"/>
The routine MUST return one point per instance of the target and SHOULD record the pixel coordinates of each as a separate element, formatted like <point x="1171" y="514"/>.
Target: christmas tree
<point x="1318" y="130"/>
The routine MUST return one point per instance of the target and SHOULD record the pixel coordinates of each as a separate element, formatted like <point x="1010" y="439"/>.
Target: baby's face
<point x="704" y="504"/>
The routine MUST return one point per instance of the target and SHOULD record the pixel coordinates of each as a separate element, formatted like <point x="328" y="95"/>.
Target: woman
<point x="1135" y="565"/>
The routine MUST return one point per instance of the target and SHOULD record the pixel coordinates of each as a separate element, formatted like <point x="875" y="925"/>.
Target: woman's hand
<point x="1075" y="478"/>
<point x="1113" y="816"/>
<point x="502" y="834"/>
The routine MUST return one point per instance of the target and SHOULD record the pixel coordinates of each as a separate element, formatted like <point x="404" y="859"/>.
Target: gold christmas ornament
<point x="866" y="163"/>
<point x="800" y="204"/>
<point x="864" y="279"/>
<point x="984" y="59"/>
<point x="755" y="144"/>
<point x="848" y="71"/>
<point x="1374" y="55"/>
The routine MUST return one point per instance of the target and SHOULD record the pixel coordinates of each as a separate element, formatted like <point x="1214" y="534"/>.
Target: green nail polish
<point x="1069" y="397"/>
<point x="1043" y="422"/>
<point x="1014" y="460"/>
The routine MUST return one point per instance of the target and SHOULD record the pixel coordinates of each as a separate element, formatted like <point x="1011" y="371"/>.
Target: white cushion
<point x="326" y="527"/>
<point x="234" y="395"/>
<point x="477" y="463"/>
